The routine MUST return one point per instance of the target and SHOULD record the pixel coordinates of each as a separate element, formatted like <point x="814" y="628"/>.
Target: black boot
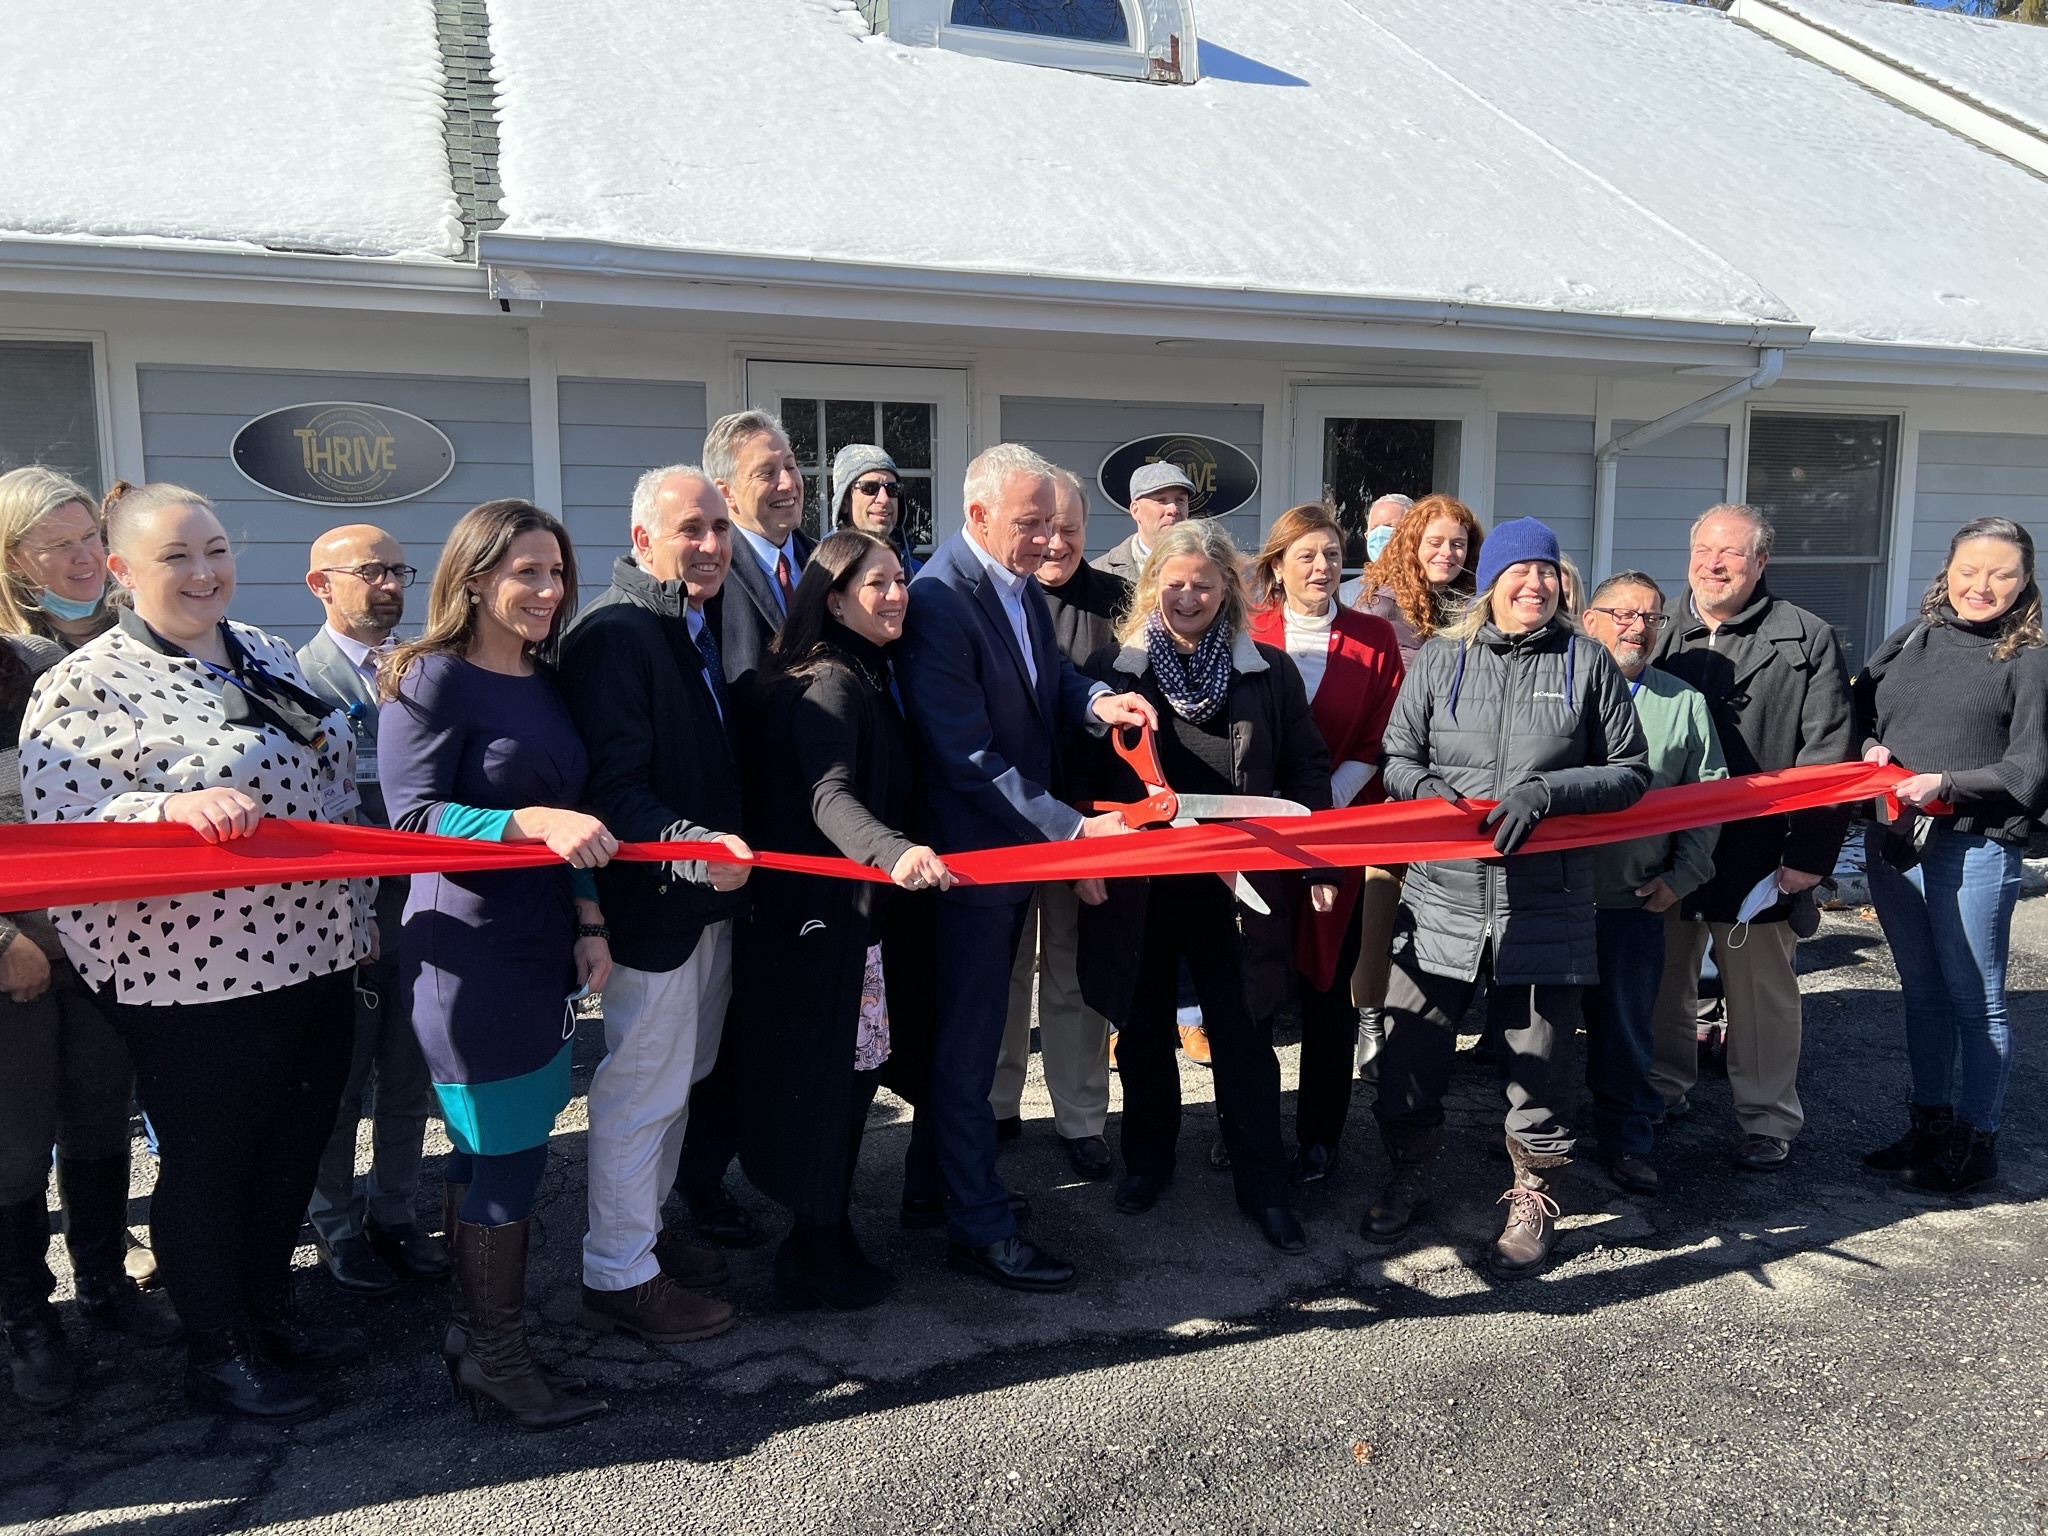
<point x="811" y="1270"/>
<point x="95" y="1197"/>
<point x="289" y="1340"/>
<point x="865" y="1270"/>
<point x="43" y="1377"/>
<point x="496" y="1363"/>
<point x="1924" y="1142"/>
<point x="1968" y="1160"/>
<point x="227" y="1373"/>
<point x="1411" y="1155"/>
<point x="1372" y="1039"/>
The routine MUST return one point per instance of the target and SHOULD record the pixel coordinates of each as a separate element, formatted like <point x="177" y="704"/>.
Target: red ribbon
<point x="76" y="863"/>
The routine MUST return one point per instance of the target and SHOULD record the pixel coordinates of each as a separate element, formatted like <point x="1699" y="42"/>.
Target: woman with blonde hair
<point x="1350" y="665"/>
<point x="236" y="1005"/>
<point x="1233" y="719"/>
<point x="476" y="742"/>
<point x="53" y="557"/>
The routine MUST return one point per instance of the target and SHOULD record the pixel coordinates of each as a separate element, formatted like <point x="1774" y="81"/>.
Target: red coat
<point x="1351" y="706"/>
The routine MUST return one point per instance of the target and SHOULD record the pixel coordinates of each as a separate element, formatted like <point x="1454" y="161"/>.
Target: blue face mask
<point x="1376" y="541"/>
<point x="69" y="609"/>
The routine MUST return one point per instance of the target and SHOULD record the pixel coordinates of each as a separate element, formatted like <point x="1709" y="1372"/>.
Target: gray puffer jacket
<point x="1487" y="715"/>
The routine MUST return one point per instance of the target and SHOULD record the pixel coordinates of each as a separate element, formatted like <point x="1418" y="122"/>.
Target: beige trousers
<point x="1378" y="900"/>
<point x="1073" y="1038"/>
<point x="1761" y="988"/>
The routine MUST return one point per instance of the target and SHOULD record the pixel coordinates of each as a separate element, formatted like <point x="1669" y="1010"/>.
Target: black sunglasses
<point x="874" y="488"/>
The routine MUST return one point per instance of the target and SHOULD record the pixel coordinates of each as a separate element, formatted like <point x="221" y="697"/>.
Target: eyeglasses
<point x="1627" y="618"/>
<point x="874" y="488"/>
<point x="372" y="573"/>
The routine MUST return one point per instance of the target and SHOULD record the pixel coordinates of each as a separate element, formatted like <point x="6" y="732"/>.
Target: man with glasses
<point x="369" y="1240"/>
<point x="1636" y="882"/>
<point x="867" y="493"/>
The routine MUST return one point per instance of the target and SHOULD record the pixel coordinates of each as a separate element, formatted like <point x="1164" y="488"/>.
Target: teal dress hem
<point x="510" y="1115"/>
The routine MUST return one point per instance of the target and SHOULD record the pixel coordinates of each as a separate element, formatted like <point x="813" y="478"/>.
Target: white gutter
<point x="1607" y="459"/>
<point x="218" y="272"/>
<point x="1995" y="131"/>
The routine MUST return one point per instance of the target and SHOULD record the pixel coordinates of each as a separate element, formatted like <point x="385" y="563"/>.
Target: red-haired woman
<point x="1350" y="663"/>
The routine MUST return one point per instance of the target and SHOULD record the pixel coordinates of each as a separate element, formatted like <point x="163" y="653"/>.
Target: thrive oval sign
<point x="1224" y="475"/>
<point x="338" y="453"/>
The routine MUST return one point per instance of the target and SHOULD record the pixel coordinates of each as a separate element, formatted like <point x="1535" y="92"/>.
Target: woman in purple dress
<point x="476" y="743"/>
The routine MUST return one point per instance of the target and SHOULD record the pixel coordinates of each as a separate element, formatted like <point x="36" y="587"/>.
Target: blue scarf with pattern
<point x="1195" y="685"/>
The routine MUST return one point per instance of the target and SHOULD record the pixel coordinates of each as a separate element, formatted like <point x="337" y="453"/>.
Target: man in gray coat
<point x="1159" y="499"/>
<point x="368" y="1240"/>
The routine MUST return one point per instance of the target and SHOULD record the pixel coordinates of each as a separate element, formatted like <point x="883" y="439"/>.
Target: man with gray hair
<point x="748" y="457"/>
<point x="642" y="675"/>
<point x="988" y="690"/>
<point x="1779" y="695"/>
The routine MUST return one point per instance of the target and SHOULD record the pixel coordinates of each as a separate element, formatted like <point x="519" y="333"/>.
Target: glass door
<point x="1353" y="446"/>
<point x="917" y="415"/>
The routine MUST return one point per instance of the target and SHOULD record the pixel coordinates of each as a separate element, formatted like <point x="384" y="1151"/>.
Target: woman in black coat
<point x="1233" y="719"/>
<point x="829" y="772"/>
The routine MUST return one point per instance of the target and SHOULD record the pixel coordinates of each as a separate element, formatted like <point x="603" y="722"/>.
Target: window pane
<point x="1099" y="21"/>
<point x="46" y="409"/>
<point x="800" y="418"/>
<point x="847" y="421"/>
<point x="1842" y="594"/>
<point x="917" y="512"/>
<point x="1365" y="458"/>
<point x="816" y="488"/>
<point x="1825" y="482"/>
<point x="907" y="435"/>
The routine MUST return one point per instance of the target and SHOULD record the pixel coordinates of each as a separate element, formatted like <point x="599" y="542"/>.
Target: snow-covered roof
<point x="2001" y="65"/>
<point x="1314" y="157"/>
<point x="266" y="122"/>
<point x="1872" y="223"/>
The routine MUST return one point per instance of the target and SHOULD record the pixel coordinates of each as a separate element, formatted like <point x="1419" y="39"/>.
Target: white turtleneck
<point x="1308" y="643"/>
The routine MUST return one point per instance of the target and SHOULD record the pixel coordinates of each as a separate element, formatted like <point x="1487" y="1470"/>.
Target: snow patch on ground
<point x="276" y="122"/>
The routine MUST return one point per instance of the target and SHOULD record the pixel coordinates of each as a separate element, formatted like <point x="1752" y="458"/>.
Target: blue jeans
<point x="1621" y="1037"/>
<point x="1949" y="923"/>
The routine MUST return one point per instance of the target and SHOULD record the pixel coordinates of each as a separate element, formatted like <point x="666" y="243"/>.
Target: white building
<point x="1471" y="245"/>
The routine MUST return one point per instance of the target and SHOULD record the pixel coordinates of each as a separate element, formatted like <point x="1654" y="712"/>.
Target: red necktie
<point x="782" y="577"/>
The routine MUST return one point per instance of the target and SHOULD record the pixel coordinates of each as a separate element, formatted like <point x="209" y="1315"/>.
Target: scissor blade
<point x="1242" y="889"/>
<point x="1237" y="807"/>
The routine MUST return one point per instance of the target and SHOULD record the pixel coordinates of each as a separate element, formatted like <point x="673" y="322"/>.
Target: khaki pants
<point x="1761" y="988"/>
<point x="1072" y="1037"/>
<point x="1378" y="899"/>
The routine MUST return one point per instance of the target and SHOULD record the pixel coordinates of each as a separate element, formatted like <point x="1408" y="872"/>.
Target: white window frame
<point x="1314" y="405"/>
<point x="1162" y="44"/>
<point x="944" y="389"/>
<point x="102" y="390"/>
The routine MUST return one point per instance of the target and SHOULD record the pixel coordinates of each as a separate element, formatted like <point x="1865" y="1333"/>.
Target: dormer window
<point x="1135" y="39"/>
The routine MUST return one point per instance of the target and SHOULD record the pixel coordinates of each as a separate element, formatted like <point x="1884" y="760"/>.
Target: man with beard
<point x="1636" y="882"/>
<point x="367" y="1241"/>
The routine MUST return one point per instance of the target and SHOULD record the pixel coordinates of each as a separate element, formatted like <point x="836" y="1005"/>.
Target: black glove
<point x="1517" y="815"/>
<point x="1432" y="785"/>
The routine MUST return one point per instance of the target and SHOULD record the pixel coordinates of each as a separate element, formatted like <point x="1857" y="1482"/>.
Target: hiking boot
<point x="1524" y="1245"/>
<point x="691" y="1267"/>
<point x="1411" y="1154"/>
<point x="657" y="1310"/>
<point x="1925" y="1140"/>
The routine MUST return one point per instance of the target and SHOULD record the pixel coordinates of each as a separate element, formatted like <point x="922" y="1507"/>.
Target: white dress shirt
<point x="363" y="658"/>
<point x="1010" y="588"/>
<point x="767" y="554"/>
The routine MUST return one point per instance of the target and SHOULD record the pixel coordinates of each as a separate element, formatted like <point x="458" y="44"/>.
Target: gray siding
<point x="612" y="432"/>
<point x="1543" y="468"/>
<point x="189" y="420"/>
<point x="1660" y="489"/>
<point x="1966" y="475"/>
<point x="1080" y="434"/>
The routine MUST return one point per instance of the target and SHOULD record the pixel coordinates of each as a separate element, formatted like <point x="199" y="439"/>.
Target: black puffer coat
<point x="1485" y="716"/>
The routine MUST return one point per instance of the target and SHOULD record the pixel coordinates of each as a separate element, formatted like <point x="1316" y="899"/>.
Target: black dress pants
<point x="243" y="1094"/>
<point x="1329" y="1050"/>
<point x="1192" y="918"/>
<point x="1537" y="1023"/>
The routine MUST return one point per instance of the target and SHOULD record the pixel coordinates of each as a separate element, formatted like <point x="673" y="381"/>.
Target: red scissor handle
<point x="1134" y="744"/>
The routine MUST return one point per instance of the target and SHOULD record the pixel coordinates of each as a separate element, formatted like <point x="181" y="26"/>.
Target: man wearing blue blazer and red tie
<point x="987" y="689"/>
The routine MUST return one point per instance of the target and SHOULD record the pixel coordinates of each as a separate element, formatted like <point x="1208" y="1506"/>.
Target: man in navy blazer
<point x="987" y="688"/>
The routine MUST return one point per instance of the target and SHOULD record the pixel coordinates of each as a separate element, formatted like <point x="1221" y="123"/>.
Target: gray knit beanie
<point x="848" y="465"/>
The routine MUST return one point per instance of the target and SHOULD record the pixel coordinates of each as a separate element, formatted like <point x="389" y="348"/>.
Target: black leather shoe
<point x="228" y="1374"/>
<point x="1137" y="1193"/>
<point x="294" y="1345"/>
<point x="1219" y="1155"/>
<point x="1633" y="1174"/>
<point x="1009" y="1128"/>
<point x="1280" y="1227"/>
<point x="1311" y="1165"/>
<point x="921" y="1213"/>
<point x="41" y="1366"/>
<point x="1013" y="1264"/>
<point x="1089" y="1155"/>
<point x="721" y="1219"/>
<point x="410" y="1252"/>
<point x="355" y="1267"/>
<point x="113" y="1302"/>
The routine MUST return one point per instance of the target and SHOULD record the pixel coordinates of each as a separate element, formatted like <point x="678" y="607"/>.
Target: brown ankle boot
<point x="658" y="1310"/>
<point x="1524" y="1245"/>
<point x="490" y="1274"/>
<point x="1411" y="1154"/>
<point x="687" y="1264"/>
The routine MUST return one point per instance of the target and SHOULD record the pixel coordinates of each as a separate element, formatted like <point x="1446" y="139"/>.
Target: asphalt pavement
<point x="1816" y="1349"/>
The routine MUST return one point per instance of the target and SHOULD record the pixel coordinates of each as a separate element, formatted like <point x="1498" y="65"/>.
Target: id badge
<point x="366" y="764"/>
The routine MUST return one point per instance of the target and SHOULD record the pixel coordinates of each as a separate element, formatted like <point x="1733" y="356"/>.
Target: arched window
<point x="1135" y="39"/>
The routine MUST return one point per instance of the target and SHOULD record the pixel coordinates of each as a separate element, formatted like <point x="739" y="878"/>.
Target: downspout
<point x="1607" y="460"/>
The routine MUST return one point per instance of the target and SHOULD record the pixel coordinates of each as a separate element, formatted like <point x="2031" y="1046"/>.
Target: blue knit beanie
<point x="1510" y="544"/>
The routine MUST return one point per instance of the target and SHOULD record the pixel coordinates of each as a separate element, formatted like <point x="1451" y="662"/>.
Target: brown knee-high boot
<point x="456" y="1339"/>
<point x="490" y="1276"/>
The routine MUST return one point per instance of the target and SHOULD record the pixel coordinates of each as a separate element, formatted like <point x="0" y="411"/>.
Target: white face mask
<point x="1763" y="895"/>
